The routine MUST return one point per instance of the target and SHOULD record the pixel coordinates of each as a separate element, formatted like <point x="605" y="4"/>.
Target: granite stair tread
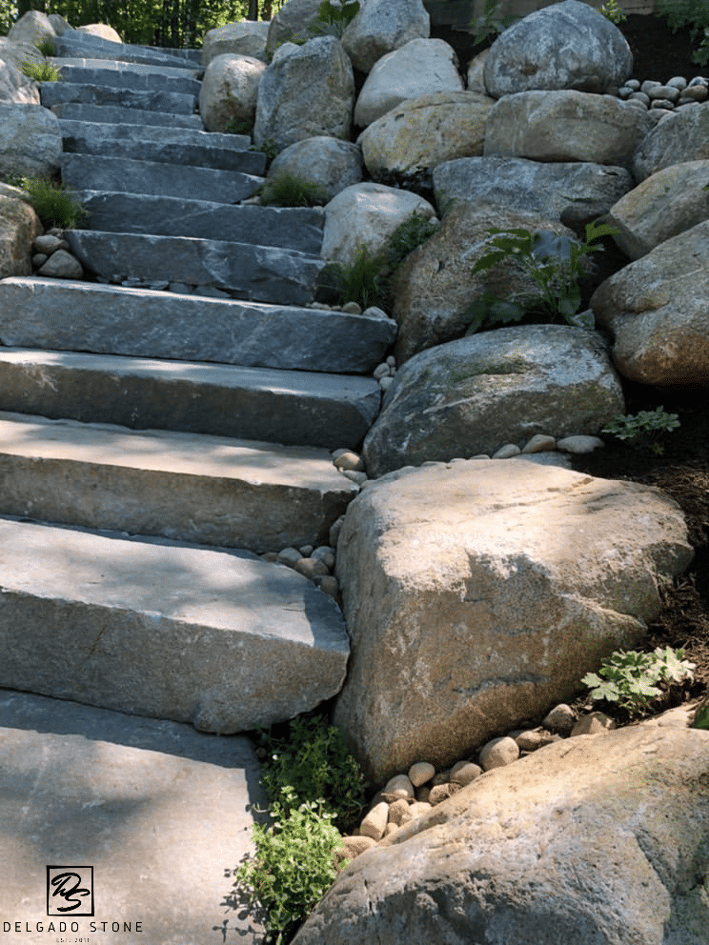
<point x="148" y="80"/>
<point x="116" y="114"/>
<point x="57" y="93"/>
<point x="77" y="44"/>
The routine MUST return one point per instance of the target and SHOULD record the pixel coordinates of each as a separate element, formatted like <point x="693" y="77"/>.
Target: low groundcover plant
<point x="643" y="429"/>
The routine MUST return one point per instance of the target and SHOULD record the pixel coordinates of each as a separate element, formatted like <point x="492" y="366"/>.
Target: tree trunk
<point x="253" y="9"/>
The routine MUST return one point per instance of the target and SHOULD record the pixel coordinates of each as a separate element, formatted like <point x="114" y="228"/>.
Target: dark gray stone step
<point x="75" y="44"/>
<point x="299" y="228"/>
<point x="164" y="145"/>
<point x="147" y="81"/>
<point x="56" y="93"/>
<point x="151" y="805"/>
<point x="83" y="316"/>
<point x="118" y="65"/>
<point x="254" y="273"/>
<point x="87" y="172"/>
<point x="113" y="114"/>
<point x="211" y="490"/>
<point x="162" y="629"/>
<point x="297" y="408"/>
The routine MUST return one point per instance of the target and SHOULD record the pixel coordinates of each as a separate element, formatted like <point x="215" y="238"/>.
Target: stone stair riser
<point x="258" y="273"/>
<point x="164" y="630"/>
<point x="130" y="80"/>
<point x="72" y="44"/>
<point x="289" y="407"/>
<point x="193" y="488"/>
<point x="57" y="93"/>
<point x="116" y="65"/>
<point x="80" y="316"/>
<point x="114" y="114"/>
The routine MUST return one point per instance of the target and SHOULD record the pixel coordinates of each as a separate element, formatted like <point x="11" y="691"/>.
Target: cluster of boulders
<point x="52" y="257"/>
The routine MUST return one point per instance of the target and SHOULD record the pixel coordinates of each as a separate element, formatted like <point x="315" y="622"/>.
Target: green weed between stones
<point x="292" y="190"/>
<point x="613" y="12"/>
<point x="53" y="204"/>
<point x="554" y="262"/>
<point x="635" y="681"/>
<point x="487" y="27"/>
<point x="315" y="789"/>
<point x="41" y="71"/>
<point x="695" y="15"/>
<point x="643" y="430"/>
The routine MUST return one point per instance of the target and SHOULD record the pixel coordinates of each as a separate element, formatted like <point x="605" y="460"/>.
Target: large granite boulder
<point x="16" y="88"/>
<point x="19" y="226"/>
<point x="666" y="203"/>
<point x="473" y="395"/>
<point x="366" y="215"/>
<point x="330" y="163"/>
<point x="101" y="31"/>
<point x="424" y="132"/>
<point x="31" y="141"/>
<point x="306" y="91"/>
<point x="421" y="67"/>
<point x="247" y="38"/>
<point x="567" y="45"/>
<point x="566" y="126"/>
<point x="597" y="839"/>
<point x="229" y="90"/>
<point x="656" y="309"/>
<point x="32" y="28"/>
<point x="478" y="593"/>
<point x="681" y="136"/>
<point x="574" y="192"/>
<point x="292" y="21"/>
<point x="433" y="286"/>
<point x="381" y="27"/>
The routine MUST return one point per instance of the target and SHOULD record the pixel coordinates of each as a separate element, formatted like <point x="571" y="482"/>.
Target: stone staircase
<point x="167" y="421"/>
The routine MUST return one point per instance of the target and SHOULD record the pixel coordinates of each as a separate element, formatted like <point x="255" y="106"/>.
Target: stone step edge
<point x="150" y="133"/>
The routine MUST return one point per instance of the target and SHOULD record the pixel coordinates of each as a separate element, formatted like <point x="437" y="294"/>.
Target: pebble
<point x="579" y="445"/>
<point x="351" y="848"/>
<point x="61" y="265"/>
<point x="328" y="585"/>
<point x="465" y="772"/>
<point x="375" y="822"/>
<point x="540" y="444"/>
<point x="381" y="370"/>
<point x="400" y="812"/>
<point x="39" y="259"/>
<point x="535" y="739"/>
<point x="346" y="459"/>
<point x="48" y="244"/>
<point x="386" y="382"/>
<point x="399" y="786"/>
<point x="662" y="97"/>
<point x="311" y="568"/>
<point x="499" y="752"/>
<point x="326" y="554"/>
<point x="441" y="792"/>
<point x="289" y="556"/>
<point x="421" y="772"/>
<point x="352" y="308"/>
<point x="358" y="477"/>
<point x="507" y="451"/>
<point x="374" y="312"/>
<point x="560" y="720"/>
<point x="335" y="530"/>
<point x="592" y="724"/>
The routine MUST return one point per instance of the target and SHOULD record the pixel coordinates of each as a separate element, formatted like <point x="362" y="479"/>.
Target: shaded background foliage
<point x="170" y="23"/>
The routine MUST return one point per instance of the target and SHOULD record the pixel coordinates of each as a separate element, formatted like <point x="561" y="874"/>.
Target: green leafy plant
<point x="53" y="204"/>
<point x="41" y="71"/>
<point x="695" y="15"/>
<point x="268" y="147"/>
<point x="644" y="429"/>
<point x="334" y="18"/>
<point x="292" y="190"/>
<point x="553" y="262"/>
<point x="488" y="26"/>
<point x="633" y="680"/>
<point x="613" y="12"/>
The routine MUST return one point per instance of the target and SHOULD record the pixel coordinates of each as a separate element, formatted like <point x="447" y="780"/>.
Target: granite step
<point x="215" y="637"/>
<point x="163" y="145"/>
<point x="62" y="315"/>
<point x="293" y="408"/>
<point x="118" y="65"/>
<point x="299" y="228"/>
<point x="115" y="114"/>
<point x="75" y="44"/>
<point x="58" y="93"/>
<point x="245" y="271"/>
<point x="155" y="808"/>
<point x="202" y="489"/>
<point x="149" y="80"/>
<point x="85" y="172"/>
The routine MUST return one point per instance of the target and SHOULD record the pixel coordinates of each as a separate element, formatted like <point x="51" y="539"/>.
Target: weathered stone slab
<point x="75" y="44"/>
<point x="163" y="629"/>
<point x="298" y="408"/>
<point x="133" y="68"/>
<point x="299" y="228"/>
<point x="191" y="487"/>
<point x="164" y="145"/>
<point x="478" y="593"/>
<point x="153" y="791"/>
<point x="31" y="142"/>
<point x="114" y="114"/>
<point x="84" y="172"/>
<point x="147" y="81"/>
<point x="574" y="192"/>
<point x="510" y="857"/>
<point x="83" y="316"/>
<point x="56" y="93"/>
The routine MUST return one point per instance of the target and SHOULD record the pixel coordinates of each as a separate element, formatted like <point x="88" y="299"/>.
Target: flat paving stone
<point x="114" y="114"/>
<point x="159" y="811"/>
<point x="102" y="319"/>
<point x="163" y="629"/>
<point x="56" y="93"/>
<point x="191" y="487"/>
<point x="298" y="408"/>
<point x="117" y="65"/>
<point x="167" y="146"/>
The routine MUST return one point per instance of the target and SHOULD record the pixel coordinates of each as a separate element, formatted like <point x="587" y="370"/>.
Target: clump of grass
<point x="292" y="190"/>
<point x="239" y="126"/>
<point x="364" y="280"/>
<point x="47" y="47"/>
<point x="41" y="71"/>
<point x="53" y="203"/>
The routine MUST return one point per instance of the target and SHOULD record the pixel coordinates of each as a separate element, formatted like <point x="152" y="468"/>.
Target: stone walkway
<point x="159" y="427"/>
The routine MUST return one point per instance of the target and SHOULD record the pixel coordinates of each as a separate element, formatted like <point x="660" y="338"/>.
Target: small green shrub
<point x="47" y="47"/>
<point x="53" y="204"/>
<point x="333" y="18"/>
<point x="644" y="429"/>
<point x="488" y="26"/>
<point x="239" y="126"/>
<point x="363" y="281"/>
<point x="633" y="680"/>
<point x="408" y="236"/>
<point x="553" y="262"/>
<point x="41" y="71"/>
<point x="695" y="15"/>
<point x="268" y="147"/>
<point x="613" y="12"/>
<point x="291" y="190"/>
